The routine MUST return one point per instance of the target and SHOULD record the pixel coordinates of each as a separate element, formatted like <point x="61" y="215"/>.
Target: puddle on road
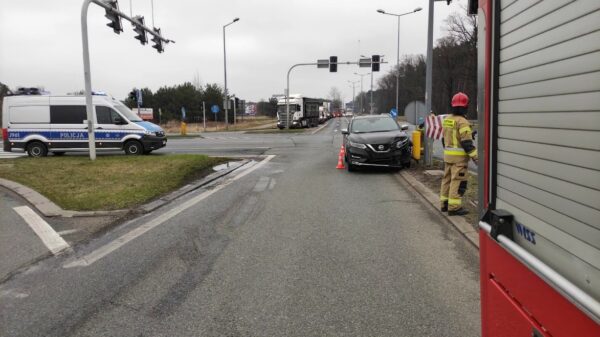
<point x="221" y="167"/>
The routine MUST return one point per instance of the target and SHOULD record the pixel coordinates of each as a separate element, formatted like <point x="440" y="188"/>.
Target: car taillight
<point x="4" y="134"/>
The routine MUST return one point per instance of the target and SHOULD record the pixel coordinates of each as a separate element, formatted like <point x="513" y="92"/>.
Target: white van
<point x="58" y="124"/>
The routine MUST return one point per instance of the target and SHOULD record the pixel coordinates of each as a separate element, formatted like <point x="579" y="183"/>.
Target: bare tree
<point x="336" y="98"/>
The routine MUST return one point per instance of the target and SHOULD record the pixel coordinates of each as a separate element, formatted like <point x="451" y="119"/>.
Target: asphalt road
<point x="287" y="247"/>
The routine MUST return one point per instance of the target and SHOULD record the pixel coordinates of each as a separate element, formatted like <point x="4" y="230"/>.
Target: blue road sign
<point x="214" y="109"/>
<point x="394" y="113"/>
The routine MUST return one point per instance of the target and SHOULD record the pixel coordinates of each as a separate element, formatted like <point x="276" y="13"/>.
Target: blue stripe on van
<point x="69" y="135"/>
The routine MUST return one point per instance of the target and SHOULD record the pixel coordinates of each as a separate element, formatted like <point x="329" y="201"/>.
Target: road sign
<point x="322" y="63"/>
<point x="183" y="112"/>
<point x="139" y="98"/>
<point x="364" y="63"/>
<point x="215" y="109"/>
<point x="394" y="113"/>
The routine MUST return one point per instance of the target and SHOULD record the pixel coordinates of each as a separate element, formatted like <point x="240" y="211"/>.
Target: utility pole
<point x="226" y="107"/>
<point x="353" y="83"/>
<point x="234" y="112"/>
<point x="429" y="81"/>
<point x="362" y="98"/>
<point x="204" y="115"/>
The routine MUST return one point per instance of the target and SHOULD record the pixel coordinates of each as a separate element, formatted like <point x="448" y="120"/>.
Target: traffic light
<point x="375" y="59"/>
<point x="332" y="64"/>
<point x="158" y="43"/>
<point x="139" y="29"/>
<point x="115" y="19"/>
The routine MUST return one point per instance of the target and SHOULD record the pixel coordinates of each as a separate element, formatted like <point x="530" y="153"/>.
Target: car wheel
<point x="133" y="148"/>
<point x="37" y="149"/>
<point x="60" y="153"/>
<point x="350" y="167"/>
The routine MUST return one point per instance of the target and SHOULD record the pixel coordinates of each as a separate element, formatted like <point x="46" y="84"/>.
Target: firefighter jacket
<point x="458" y="140"/>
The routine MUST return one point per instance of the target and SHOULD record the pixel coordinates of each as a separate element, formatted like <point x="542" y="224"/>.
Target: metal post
<point x="204" y="115"/>
<point x="362" y="98"/>
<point x="234" y="112"/>
<point x="429" y="79"/>
<point x="225" y="72"/>
<point x="88" y="80"/>
<point x="371" y="104"/>
<point x="398" y="69"/>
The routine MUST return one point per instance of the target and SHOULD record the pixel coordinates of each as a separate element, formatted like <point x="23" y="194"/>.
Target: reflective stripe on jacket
<point x="457" y="129"/>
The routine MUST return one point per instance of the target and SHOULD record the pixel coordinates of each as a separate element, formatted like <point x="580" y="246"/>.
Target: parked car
<point x="40" y="124"/>
<point x="376" y="141"/>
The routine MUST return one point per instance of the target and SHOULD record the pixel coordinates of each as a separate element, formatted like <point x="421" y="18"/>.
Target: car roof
<point x="372" y="116"/>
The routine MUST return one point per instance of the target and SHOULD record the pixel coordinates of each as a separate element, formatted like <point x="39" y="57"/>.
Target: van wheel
<point x="37" y="149"/>
<point x="134" y="148"/>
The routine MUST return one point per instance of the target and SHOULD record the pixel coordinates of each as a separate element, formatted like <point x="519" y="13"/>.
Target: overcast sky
<point x="40" y="43"/>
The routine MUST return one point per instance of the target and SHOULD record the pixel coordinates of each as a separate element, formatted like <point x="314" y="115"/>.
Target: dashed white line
<point x="46" y="233"/>
<point x="121" y="241"/>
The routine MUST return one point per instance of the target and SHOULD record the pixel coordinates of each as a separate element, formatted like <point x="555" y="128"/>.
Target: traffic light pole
<point x="88" y="80"/>
<point x="87" y="75"/>
<point x="287" y="93"/>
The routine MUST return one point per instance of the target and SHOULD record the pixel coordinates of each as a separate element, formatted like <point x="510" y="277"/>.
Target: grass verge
<point x="110" y="182"/>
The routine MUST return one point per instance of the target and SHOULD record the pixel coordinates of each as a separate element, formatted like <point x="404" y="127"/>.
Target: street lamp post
<point x="225" y="72"/>
<point x="398" y="49"/>
<point x="362" y="103"/>
<point x="353" y="83"/>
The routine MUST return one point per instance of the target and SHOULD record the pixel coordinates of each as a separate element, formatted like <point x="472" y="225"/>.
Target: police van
<point x="40" y="124"/>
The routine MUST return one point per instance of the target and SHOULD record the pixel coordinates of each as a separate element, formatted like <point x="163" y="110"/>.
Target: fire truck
<point x="539" y="168"/>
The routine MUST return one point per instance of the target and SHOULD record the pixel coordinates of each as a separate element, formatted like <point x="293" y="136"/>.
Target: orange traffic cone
<point x="343" y="150"/>
<point x="340" y="164"/>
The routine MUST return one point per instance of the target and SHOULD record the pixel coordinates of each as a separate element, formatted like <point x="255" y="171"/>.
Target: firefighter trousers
<point x="454" y="185"/>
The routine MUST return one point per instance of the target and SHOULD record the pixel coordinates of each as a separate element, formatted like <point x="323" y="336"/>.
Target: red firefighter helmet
<point x="460" y="99"/>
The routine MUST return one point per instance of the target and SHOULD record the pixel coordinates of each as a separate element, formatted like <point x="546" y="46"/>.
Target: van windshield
<point x="127" y="113"/>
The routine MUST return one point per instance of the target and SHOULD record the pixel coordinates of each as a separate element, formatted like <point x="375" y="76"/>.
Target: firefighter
<point x="458" y="150"/>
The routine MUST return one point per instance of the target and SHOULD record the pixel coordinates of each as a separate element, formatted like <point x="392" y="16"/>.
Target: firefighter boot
<point x="460" y="211"/>
<point x="444" y="206"/>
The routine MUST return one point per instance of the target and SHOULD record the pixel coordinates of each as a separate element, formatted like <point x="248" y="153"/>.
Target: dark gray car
<point x="376" y="141"/>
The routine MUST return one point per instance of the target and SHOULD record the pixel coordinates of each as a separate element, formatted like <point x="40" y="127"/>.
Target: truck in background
<point x="539" y="167"/>
<point x="304" y="112"/>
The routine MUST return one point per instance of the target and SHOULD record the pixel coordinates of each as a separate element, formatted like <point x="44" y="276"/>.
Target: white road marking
<point x="10" y="155"/>
<point x="68" y="231"/>
<point x="272" y="184"/>
<point x="262" y="184"/>
<point x="320" y="128"/>
<point x="46" y="233"/>
<point x="121" y="241"/>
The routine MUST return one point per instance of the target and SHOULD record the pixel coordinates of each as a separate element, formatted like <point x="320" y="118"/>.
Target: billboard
<point x="145" y="113"/>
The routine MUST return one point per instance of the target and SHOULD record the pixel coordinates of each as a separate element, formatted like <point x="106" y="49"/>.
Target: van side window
<point x="103" y="115"/>
<point x="106" y="115"/>
<point x="67" y="114"/>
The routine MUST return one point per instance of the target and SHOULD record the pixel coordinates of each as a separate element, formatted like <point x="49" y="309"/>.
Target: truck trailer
<point x="303" y="112"/>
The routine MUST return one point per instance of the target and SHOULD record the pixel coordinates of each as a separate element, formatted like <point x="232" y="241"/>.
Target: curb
<point x="466" y="229"/>
<point x="152" y="205"/>
<point x="49" y="209"/>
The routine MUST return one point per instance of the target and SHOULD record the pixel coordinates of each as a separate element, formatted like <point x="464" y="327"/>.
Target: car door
<point x="110" y="128"/>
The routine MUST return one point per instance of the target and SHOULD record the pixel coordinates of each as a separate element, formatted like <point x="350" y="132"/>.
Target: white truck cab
<point x="40" y="124"/>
